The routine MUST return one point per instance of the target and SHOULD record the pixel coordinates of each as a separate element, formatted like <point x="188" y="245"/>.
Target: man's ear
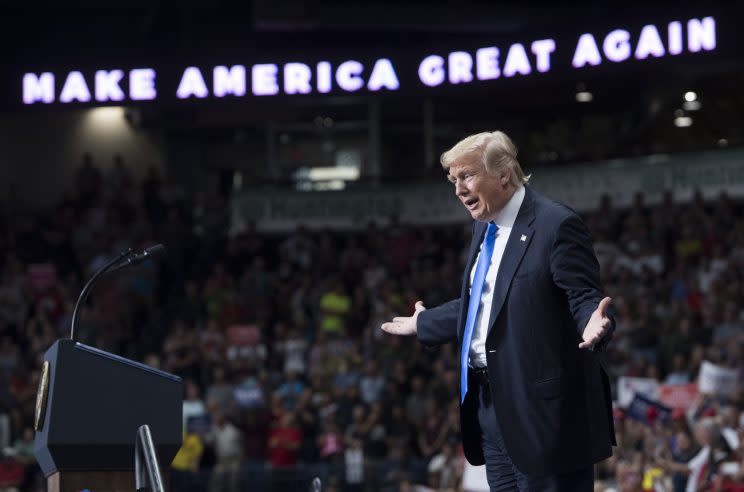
<point x="505" y="177"/>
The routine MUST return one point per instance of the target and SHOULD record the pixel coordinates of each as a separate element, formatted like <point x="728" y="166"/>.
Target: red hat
<point x="652" y="413"/>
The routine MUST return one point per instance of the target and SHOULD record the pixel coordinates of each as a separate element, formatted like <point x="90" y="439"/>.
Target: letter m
<point x="39" y="88"/>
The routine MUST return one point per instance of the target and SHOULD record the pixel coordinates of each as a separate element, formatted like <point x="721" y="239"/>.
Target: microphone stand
<point x="147" y="476"/>
<point x="86" y="290"/>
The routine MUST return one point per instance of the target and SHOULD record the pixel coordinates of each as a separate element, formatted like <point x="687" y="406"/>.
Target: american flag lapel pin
<point x="523" y="238"/>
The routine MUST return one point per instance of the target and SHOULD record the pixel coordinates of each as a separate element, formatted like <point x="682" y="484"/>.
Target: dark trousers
<point x="502" y="475"/>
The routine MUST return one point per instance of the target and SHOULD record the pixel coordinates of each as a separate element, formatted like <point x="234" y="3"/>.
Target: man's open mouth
<point x="471" y="202"/>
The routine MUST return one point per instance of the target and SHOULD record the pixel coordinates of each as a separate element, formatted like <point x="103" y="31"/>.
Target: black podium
<point x="90" y="405"/>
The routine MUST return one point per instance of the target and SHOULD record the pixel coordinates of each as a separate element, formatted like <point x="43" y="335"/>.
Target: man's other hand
<point x="404" y="325"/>
<point x="597" y="326"/>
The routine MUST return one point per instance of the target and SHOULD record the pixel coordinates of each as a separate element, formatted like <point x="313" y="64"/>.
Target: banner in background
<point x="717" y="380"/>
<point x="389" y="70"/>
<point x="680" y="396"/>
<point x="648" y="411"/>
<point x="243" y="335"/>
<point x="41" y="276"/>
<point x="628" y="388"/>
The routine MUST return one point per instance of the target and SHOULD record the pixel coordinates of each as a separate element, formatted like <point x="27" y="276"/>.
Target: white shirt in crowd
<point x="192" y="408"/>
<point x="354" y="461"/>
<point x="228" y="443"/>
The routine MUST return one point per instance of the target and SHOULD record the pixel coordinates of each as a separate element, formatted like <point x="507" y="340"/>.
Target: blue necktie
<point x="484" y="261"/>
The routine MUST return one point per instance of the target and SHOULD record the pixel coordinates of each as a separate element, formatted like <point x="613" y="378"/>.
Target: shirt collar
<point x="508" y="214"/>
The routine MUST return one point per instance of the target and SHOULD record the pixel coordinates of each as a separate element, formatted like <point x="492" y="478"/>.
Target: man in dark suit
<point x="532" y="326"/>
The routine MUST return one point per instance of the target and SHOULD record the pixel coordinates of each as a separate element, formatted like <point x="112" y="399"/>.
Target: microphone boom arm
<point x="86" y="290"/>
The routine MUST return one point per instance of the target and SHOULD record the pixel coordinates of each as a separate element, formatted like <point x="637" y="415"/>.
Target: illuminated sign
<point x="350" y="76"/>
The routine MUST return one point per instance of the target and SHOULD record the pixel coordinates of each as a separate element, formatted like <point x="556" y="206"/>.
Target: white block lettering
<point x="542" y="49"/>
<point x="431" y="70"/>
<point x="263" y="79"/>
<point x="75" y="88"/>
<point x="39" y="88"/>
<point x="383" y="75"/>
<point x="347" y="76"/>
<point x="142" y="84"/>
<point x="228" y="80"/>
<point x="107" y="85"/>
<point x="586" y="52"/>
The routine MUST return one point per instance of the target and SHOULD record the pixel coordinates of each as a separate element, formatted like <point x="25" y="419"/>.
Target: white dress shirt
<point x="505" y="220"/>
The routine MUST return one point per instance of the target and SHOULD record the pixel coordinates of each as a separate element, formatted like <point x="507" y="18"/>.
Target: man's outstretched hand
<point x="404" y="325"/>
<point x="597" y="326"/>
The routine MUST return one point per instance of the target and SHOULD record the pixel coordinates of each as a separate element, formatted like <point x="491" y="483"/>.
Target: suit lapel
<point x="519" y="241"/>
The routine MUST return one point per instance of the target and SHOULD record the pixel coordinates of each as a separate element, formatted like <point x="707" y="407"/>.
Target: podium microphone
<point x="137" y="258"/>
<point x="124" y="260"/>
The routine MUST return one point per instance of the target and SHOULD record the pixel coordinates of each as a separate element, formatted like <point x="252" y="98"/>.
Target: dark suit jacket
<point x="552" y="399"/>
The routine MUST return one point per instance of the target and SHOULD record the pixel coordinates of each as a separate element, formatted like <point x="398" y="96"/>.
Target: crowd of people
<point x="277" y="336"/>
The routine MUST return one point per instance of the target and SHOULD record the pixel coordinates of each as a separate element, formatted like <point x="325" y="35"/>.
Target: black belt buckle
<point x="480" y="374"/>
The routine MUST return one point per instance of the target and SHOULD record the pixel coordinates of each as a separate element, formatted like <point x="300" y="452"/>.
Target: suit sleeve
<point x="437" y="326"/>
<point x="575" y="270"/>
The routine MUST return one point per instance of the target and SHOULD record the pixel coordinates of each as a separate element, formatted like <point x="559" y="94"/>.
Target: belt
<point x="480" y="375"/>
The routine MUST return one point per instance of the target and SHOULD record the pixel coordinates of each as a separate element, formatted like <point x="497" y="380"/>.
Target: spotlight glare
<point x="690" y="96"/>
<point x="682" y="121"/>
<point x="107" y="115"/>
<point x="691" y="105"/>
<point x="584" y="96"/>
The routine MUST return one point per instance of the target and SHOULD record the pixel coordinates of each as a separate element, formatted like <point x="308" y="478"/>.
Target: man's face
<point x="482" y="194"/>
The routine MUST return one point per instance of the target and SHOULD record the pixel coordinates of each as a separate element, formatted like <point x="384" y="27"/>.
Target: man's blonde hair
<point x="496" y="151"/>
